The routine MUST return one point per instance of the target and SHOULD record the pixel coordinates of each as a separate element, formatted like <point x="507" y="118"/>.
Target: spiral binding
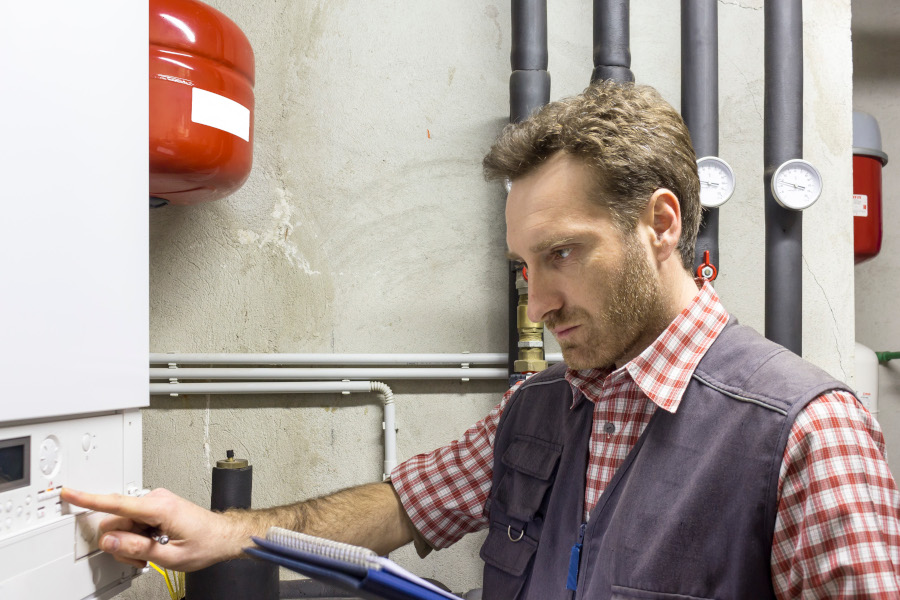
<point x="311" y="544"/>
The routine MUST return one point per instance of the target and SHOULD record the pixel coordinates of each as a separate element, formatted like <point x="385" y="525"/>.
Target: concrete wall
<point x="365" y="226"/>
<point x="876" y="85"/>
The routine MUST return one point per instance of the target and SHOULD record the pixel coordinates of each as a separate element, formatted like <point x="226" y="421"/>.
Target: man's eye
<point x="562" y="252"/>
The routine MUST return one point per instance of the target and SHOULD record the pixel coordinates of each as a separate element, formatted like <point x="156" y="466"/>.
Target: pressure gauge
<point x="716" y="181"/>
<point x="796" y="184"/>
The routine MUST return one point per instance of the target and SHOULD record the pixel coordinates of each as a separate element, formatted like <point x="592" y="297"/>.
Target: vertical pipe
<point x="612" y="56"/>
<point x="783" y="141"/>
<point x="529" y="89"/>
<point x="700" y="101"/>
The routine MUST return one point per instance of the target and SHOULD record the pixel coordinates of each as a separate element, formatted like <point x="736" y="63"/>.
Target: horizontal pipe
<point x="325" y="373"/>
<point x="495" y="358"/>
<point x="484" y="358"/>
<point x="261" y="387"/>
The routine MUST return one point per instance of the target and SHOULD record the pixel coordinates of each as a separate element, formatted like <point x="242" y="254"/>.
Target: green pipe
<point x="886" y="356"/>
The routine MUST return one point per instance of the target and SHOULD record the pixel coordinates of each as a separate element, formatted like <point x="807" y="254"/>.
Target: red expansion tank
<point x="201" y="103"/>
<point x="868" y="159"/>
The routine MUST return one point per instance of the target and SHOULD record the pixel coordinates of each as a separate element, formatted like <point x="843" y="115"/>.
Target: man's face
<point x="592" y="285"/>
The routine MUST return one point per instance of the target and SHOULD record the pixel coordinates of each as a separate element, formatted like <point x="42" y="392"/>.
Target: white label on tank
<point x="860" y="205"/>
<point x="220" y="112"/>
<point x="866" y="399"/>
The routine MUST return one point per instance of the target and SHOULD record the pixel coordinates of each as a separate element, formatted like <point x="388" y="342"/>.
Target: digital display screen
<point x="14" y="459"/>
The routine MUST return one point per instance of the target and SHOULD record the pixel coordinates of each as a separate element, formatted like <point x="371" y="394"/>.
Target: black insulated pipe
<point x="783" y="140"/>
<point x="700" y="102"/>
<point x="529" y="89"/>
<point x="241" y="578"/>
<point x="612" y="54"/>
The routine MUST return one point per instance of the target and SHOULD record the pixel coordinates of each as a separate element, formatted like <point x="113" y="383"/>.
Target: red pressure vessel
<point x="868" y="160"/>
<point x="201" y="103"/>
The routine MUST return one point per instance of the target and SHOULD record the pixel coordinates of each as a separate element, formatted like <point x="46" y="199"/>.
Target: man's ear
<point x="663" y="219"/>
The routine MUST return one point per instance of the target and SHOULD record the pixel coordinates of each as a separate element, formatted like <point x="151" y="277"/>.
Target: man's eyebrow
<point x="540" y="247"/>
<point x="549" y="243"/>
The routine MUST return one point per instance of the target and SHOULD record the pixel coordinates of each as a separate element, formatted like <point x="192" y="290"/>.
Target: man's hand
<point x="197" y="537"/>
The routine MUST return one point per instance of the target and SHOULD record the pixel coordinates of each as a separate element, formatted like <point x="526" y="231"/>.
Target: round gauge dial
<point x="716" y="181"/>
<point x="796" y="184"/>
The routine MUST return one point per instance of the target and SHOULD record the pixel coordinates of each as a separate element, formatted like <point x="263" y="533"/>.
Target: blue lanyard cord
<point x="575" y="561"/>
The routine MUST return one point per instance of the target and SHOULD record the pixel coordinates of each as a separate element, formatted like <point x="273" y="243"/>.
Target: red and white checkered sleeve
<point x="837" y="533"/>
<point x="444" y="491"/>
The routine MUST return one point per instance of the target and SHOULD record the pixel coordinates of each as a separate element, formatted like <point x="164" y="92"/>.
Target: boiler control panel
<point x="37" y="460"/>
<point x="49" y="549"/>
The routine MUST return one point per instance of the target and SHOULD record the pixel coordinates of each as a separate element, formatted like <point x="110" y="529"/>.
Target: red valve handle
<point x="525" y="273"/>
<point x="707" y="271"/>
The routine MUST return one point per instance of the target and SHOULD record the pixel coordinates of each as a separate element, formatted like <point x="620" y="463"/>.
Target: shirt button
<point x="609" y="428"/>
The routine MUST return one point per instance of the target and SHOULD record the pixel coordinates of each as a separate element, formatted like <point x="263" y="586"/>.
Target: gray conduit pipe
<point x="783" y="140"/>
<point x="612" y="53"/>
<point x="529" y="89"/>
<point x="324" y="373"/>
<point x="343" y="360"/>
<point x="700" y="101"/>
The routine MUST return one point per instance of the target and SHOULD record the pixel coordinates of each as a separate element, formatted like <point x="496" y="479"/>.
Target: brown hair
<point x="635" y="142"/>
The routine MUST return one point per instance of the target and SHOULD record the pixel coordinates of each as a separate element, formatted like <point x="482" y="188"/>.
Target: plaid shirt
<point x="837" y="533"/>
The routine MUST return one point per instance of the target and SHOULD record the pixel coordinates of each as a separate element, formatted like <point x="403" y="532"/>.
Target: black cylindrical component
<point x="700" y="74"/>
<point x="612" y="53"/>
<point x="231" y="487"/>
<point x="700" y="102"/>
<point x="529" y="89"/>
<point x="783" y="140"/>
<point x="240" y="579"/>
<point x="529" y="35"/>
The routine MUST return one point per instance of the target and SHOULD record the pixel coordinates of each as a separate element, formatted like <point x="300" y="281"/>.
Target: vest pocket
<point x="625" y="593"/>
<point x="531" y="464"/>
<point x="506" y="561"/>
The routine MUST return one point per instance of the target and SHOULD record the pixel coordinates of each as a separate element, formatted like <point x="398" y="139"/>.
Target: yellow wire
<point x="178" y="577"/>
<point x="168" y="583"/>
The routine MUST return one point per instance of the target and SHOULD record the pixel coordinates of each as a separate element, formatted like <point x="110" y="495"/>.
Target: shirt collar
<point x="663" y="370"/>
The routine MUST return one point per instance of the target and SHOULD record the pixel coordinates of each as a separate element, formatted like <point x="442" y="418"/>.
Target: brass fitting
<point x="531" y="334"/>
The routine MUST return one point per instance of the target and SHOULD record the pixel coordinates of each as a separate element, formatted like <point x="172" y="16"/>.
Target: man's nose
<point x="543" y="299"/>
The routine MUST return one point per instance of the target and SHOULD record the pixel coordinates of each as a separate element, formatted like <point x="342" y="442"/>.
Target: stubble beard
<point x="635" y="309"/>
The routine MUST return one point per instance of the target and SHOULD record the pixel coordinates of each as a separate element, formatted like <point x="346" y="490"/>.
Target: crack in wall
<point x="276" y="237"/>
<point x="739" y="5"/>
<point x="833" y="319"/>
<point x="206" y="435"/>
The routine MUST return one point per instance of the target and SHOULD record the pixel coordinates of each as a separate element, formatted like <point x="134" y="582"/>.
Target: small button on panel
<point x="49" y="494"/>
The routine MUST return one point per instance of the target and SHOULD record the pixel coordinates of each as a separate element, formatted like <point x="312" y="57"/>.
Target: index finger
<point x="114" y="504"/>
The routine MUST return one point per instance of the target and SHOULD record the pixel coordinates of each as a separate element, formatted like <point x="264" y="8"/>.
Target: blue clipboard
<point x="372" y="584"/>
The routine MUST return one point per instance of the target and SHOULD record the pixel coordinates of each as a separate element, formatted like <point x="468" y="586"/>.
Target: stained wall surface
<point x="366" y="226"/>
<point x="876" y="85"/>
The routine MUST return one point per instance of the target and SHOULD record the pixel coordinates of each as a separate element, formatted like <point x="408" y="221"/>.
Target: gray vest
<point x="691" y="512"/>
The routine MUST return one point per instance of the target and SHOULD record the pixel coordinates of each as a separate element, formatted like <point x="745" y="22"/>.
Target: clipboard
<point x="351" y="568"/>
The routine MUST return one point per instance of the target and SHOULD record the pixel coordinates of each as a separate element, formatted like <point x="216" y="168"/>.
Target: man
<point x="676" y="454"/>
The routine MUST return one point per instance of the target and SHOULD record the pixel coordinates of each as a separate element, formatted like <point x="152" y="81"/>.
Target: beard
<point x="635" y="309"/>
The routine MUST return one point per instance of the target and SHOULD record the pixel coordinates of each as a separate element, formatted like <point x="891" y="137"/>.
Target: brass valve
<point x="531" y="334"/>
